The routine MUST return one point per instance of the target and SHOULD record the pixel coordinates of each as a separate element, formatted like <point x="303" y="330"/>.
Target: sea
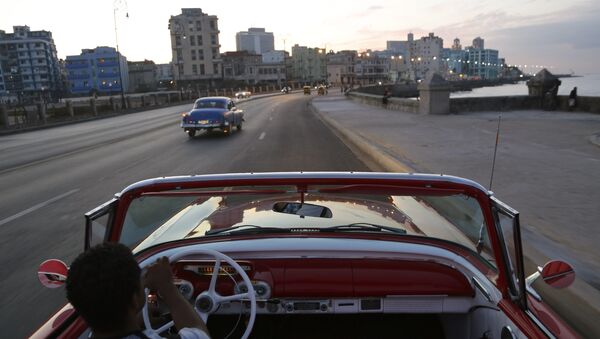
<point x="587" y="85"/>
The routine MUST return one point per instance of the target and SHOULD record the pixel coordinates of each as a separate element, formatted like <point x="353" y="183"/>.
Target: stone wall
<point x="584" y="104"/>
<point x="397" y="104"/>
<point x="481" y="104"/>
<point x="484" y="104"/>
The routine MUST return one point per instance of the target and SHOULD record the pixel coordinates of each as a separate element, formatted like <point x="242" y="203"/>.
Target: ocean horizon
<point x="587" y="85"/>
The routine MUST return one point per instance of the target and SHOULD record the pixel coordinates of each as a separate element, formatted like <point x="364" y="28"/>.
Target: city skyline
<point x="551" y="32"/>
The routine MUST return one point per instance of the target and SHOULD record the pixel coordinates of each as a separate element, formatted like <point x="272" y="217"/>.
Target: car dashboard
<point x="331" y="286"/>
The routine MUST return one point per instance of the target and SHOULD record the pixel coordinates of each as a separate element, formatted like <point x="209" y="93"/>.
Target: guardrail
<point x="80" y="109"/>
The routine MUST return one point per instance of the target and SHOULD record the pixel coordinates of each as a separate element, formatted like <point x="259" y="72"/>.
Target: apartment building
<point x="99" y="70"/>
<point x="195" y="46"/>
<point x="29" y="67"/>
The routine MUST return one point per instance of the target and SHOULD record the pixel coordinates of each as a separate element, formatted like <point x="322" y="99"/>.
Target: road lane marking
<point x="262" y="136"/>
<point x="37" y="207"/>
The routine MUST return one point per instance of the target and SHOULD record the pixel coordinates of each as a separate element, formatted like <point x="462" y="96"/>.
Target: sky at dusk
<point x="563" y="34"/>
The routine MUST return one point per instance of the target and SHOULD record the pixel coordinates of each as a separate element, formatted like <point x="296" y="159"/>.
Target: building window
<point x="195" y="69"/>
<point x="216" y="68"/>
<point x="199" y="40"/>
<point x="202" y="70"/>
<point x="213" y="39"/>
<point x="178" y="40"/>
<point x="200" y="54"/>
<point x="20" y="46"/>
<point x="192" y="40"/>
<point x="198" y="25"/>
<point x="213" y="24"/>
<point x="215" y="53"/>
<point x="193" y="54"/>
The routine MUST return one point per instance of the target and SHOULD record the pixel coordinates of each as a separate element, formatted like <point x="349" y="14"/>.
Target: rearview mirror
<point x="303" y="210"/>
<point x="53" y="273"/>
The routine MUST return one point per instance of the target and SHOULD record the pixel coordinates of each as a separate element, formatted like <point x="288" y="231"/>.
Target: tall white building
<point x="195" y="47"/>
<point x="255" y="40"/>
<point x="426" y="55"/>
<point x="413" y="59"/>
<point x="309" y="65"/>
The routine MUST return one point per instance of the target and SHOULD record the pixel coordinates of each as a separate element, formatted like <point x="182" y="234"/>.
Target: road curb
<point x="358" y="142"/>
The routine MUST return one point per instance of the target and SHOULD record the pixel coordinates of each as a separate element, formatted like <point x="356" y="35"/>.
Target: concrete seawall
<point x="481" y="104"/>
<point x="396" y="104"/>
<point x="486" y="104"/>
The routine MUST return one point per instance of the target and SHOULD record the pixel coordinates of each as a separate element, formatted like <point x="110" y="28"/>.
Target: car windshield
<point x="163" y="217"/>
<point x="209" y="103"/>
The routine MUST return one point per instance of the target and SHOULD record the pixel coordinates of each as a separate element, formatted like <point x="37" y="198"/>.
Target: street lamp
<point x="116" y="5"/>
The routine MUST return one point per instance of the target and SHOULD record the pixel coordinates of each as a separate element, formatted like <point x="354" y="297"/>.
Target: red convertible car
<point x="329" y="255"/>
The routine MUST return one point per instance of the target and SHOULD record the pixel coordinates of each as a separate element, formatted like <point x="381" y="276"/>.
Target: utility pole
<point x="115" y="9"/>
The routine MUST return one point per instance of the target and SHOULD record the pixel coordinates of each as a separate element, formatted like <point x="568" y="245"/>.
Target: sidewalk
<point x="547" y="167"/>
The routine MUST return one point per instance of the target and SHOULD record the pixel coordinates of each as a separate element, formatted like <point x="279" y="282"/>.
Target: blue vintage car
<point x="212" y="113"/>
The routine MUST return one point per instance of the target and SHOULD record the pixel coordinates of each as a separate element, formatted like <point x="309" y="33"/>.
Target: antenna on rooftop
<point x="495" y="151"/>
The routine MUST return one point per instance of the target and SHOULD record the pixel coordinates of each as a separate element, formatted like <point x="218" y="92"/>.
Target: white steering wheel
<point x="209" y="301"/>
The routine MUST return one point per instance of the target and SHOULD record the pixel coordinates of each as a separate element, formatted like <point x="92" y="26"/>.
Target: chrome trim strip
<point x="483" y="290"/>
<point x="540" y="325"/>
<point x="504" y="206"/>
<point x="307" y="175"/>
<point x="200" y="125"/>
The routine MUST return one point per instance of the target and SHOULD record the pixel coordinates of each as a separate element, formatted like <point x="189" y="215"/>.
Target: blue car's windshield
<point x="207" y="103"/>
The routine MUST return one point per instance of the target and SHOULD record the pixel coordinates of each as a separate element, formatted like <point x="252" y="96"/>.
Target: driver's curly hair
<point x="101" y="284"/>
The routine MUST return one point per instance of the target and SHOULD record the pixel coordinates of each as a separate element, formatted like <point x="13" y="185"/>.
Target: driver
<point x="104" y="285"/>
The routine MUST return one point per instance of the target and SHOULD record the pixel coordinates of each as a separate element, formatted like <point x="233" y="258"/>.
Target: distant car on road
<point x="243" y="94"/>
<point x="212" y="113"/>
<point x="306" y="90"/>
<point x="286" y="89"/>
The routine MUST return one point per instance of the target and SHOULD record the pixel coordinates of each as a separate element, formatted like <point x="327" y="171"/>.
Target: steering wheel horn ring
<point x="209" y="301"/>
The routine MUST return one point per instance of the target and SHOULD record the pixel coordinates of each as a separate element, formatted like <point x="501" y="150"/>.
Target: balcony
<point x="78" y="76"/>
<point x="107" y="64"/>
<point x="77" y="65"/>
<point x="106" y="88"/>
<point x="104" y="75"/>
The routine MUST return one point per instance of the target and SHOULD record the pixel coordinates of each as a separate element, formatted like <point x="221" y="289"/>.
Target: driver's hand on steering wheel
<point x="158" y="277"/>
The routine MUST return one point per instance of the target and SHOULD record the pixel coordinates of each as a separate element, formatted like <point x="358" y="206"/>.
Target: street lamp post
<point x="115" y="9"/>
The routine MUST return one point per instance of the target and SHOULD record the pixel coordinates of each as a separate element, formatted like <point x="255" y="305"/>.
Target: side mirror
<point x="53" y="273"/>
<point x="555" y="273"/>
<point x="558" y="274"/>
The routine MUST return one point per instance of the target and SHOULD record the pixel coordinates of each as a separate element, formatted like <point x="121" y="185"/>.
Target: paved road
<point x="49" y="178"/>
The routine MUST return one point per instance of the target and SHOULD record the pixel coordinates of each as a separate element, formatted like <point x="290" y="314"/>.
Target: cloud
<point x="374" y="8"/>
